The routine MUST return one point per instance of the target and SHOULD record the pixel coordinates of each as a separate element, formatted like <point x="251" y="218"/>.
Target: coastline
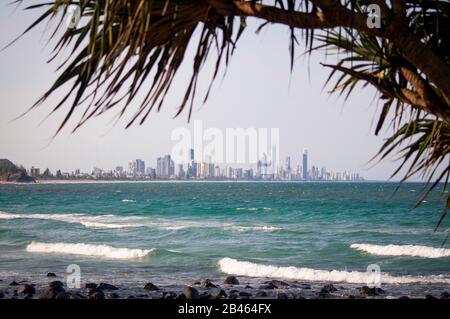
<point x="68" y="182"/>
<point x="53" y="286"/>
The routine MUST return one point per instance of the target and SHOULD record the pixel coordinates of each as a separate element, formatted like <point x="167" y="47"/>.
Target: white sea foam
<point x="103" y="251"/>
<point x="101" y="221"/>
<point x="128" y="201"/>
<point x="403" y="250"/>
<point x="242" y="229"/>
<point x="244" y="268"/>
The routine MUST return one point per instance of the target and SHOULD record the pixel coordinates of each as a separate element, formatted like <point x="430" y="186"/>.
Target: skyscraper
<point x="305" y="164"/>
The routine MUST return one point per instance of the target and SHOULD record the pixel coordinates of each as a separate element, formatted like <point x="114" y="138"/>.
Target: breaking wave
<point x="249" y="269"/>
<point x="403" y="250"/>
<point x="104" y="251"/>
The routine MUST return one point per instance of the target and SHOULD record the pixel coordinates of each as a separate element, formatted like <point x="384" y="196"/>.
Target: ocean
<point x="175" y="233"/>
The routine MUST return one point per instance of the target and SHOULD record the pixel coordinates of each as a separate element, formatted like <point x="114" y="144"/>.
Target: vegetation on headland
<point x="119" y="44"/>
<point x="11" y="173"/>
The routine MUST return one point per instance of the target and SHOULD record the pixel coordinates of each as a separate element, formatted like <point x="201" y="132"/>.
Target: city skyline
<point x="266" y="169"/>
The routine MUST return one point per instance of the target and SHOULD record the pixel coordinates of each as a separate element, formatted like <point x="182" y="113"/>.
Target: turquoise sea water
<point x="185" y="230"/>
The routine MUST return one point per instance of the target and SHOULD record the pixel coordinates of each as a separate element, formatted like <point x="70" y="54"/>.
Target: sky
<point x="257" y="91"/>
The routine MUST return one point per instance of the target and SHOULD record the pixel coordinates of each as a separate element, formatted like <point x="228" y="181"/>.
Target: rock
<point x="403" y="297"/>
<point x="105" y="286"/>
<point x="191" y="293"/>
<point x="261" y="294"/>
<point x="350" y="297"/>
<point x="171" y="295"/>
<point x="277" y="283"/>
<point x="245" y="294"/>
<point x="248" y="287"/>
<point x="51" y="274"/>
<point x="328" y="288"/>
<point x="2" y="294"/>
<point x="430" y="297"/>
<point x="369" y="292"/>
<point x="56" y="283"/>
<point x="231" y="280"/>
<point x="62" y="295"/>
<point x="282" y="295"/>
<point x="150" y="286"/>
<point x="26" y="289"/>
<point x="267" y="286"/>
<point x="205" y="296"/>
<point x="96" y="294"/>
<point x="112" y="295"/>
<point x="181" y="297"/>
<point x="234" y="291"/>
<point x="220" y="294"/>
<point x="305" y="286"/>
<point x="445" y="295"/>
<point x="14" y="283"/>
<point x="76" y="295"/>
<point x="90" y="285"/>
<point x="207" y="284"/>
<point x="51" y="292"/>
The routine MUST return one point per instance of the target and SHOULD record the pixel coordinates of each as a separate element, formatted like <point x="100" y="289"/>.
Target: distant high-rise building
<point x="288" y="163"/>
<point x="305" y="164"/>
<point x="35" y="172"/>
<point x="140" y="166"/>
<point x="160" y="167"/>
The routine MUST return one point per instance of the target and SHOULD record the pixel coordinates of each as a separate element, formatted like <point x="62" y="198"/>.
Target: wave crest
<point x="245" y="268"/>
<point x="104" y="251"/>
<point x="403" y="250"/>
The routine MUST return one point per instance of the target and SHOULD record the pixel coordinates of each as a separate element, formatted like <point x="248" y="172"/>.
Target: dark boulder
<point x="169" y="295"/>
<point x="52" y="292"/>
<point x="220" y="294"/>
<point x="56" y="283"/>
<point x="207" y="284"/>
<point x="191" y="293"/>
<point x="365" y="291"/>
<point x="112" y="295"/>
<point x="51" y="274"/>
<point x="445" y="295"/>
<point x="267" y="286"/>
<point x="277" y="284"/>
<point x="105" y="286"/>
<point x="205" y="295"/>
<point x="231" y="280"/>
<point x="90" y="285"/>
<point x="430" y="297"/>
<point x="244" y="294"/>
<point x="26" y="289"/>
<point x="282" y="295"/>
<point x="150" y="286"/>
<point x="328" y="288"/>
<point x="14" y="283"/>
<point x="2" y="294"/>
<point x="96" y="294"/>
<point x="261" y="294"/>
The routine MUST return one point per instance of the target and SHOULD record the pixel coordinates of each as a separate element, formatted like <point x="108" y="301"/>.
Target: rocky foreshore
<point x="230" y="288"/>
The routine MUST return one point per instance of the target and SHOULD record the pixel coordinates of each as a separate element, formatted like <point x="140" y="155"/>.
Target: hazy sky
<point x="257" y="91"/>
